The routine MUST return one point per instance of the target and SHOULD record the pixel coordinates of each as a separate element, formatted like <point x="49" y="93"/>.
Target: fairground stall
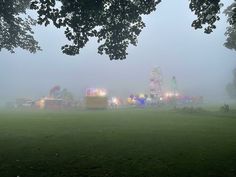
<point x="96" y="98"/>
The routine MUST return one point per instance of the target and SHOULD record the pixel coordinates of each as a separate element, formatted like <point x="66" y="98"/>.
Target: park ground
<point x="118" y="143"/>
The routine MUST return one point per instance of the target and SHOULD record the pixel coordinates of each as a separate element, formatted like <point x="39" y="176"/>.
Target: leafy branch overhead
<point x="116" y="24"/>
<point x="231" y="30"/>
<point x="15" y="31"/>
<point x="207" y="12"/>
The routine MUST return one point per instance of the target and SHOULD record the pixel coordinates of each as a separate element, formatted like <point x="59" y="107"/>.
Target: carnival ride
<point x="97" y="98"/>
<point x="156" y="83"/>
<point x="57" y="99"/>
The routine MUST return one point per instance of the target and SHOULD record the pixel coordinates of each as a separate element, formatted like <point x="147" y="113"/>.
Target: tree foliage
<point x="231" y="30"/>
<point x="231" y="87"/>
<point x="115" y="23"/>
<point x="15" y="30"/>
<point x="207" y="12"/>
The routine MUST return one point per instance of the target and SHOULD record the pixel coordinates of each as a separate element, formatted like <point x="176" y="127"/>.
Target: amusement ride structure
<point x="156" y="83"/>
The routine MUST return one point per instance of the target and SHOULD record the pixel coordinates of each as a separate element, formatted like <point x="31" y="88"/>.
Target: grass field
<point x="119" y="143"/>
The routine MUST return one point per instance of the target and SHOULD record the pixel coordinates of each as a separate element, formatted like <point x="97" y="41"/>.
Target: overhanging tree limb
<point x="230" y="33"/>
<point x="15" y="31"/>
<point x="115" y="23"/>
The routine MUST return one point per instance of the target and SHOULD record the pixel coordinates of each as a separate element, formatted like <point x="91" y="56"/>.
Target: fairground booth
<point x="96" y="98"/>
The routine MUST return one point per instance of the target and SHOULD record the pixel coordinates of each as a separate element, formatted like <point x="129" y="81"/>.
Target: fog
<point x="200" y="62"/>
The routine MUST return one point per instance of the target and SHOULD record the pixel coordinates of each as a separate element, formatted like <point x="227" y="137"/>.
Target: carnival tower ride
<point x="156" y="83"/>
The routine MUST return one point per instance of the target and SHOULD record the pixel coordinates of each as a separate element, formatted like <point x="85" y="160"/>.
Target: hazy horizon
<point x="200" y="62"/>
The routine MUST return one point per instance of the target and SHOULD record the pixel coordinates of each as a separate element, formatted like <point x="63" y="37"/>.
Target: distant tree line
<point x="115" y="23"/>
<point x="231" y="87"/>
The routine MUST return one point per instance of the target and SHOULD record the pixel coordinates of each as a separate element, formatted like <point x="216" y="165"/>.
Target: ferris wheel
<point x="156" y="83"/>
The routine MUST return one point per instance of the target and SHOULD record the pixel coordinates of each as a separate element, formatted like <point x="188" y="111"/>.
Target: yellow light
<point x="129" y="100"/>
<point x="41" y="103"/>
<point x="141" y="95"/>
<point x="101" y="92"/>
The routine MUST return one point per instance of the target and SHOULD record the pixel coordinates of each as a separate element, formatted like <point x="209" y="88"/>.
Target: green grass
<point x="125" y="143"/>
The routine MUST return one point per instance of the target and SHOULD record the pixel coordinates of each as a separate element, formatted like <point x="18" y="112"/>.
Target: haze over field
<point x="168" y="109"/>
<point x="200" y="62"/>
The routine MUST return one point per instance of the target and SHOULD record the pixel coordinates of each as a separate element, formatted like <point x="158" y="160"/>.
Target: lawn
<point x="119" y="143"/>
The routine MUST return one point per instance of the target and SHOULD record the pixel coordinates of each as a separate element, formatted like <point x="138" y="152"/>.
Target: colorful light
<point x="170" y="94"/>
<point x="115" y="101"/>
<point x="96" y="92"/>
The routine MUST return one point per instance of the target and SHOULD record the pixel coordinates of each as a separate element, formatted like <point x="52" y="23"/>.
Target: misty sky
<point x="200" y="62"/>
